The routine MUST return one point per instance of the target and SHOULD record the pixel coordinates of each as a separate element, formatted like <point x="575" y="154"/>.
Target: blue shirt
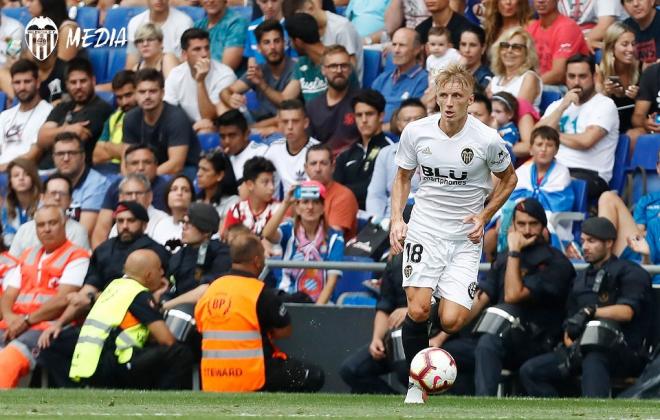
<point x="647" y="208"/>
<point x="367" y="16"/>
<point x="251" y="42"/>
<point x="88" y="194"/>
<point x="229" y="32"/>
<point x="396" y="87"/>
<point x="509" y="133"/>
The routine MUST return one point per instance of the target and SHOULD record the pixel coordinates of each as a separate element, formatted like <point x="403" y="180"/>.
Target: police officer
<point x="609" y="289"/>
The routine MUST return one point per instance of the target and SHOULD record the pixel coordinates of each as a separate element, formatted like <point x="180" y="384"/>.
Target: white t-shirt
<point x="168" y="231"/>
<point x="177" y="22"/>
<point x="587" y="12"/>
<point x="435" y="65"/>
<point x="27" y="236"/>
<point x="340" y="30"/>
<point x="73" y="274"/>
<point x="455" y="174"/>
<point x="251" y="150"/>
<point x="514" y="85"/>
<point x="11" y="36"/>
<point x="290" y="168"/>
<point x="181" y="87"/>
<point x="19" y="130"/>
<point x="599" y="111"/>
<point x="155" y="216"/>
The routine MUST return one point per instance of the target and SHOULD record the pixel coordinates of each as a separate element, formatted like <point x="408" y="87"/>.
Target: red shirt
<point x="562" y="39"/>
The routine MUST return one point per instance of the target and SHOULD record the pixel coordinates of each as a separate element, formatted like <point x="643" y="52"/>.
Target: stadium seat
<point x="208" y="141"/>
<point x="252" y="101"/>
<point x="116" y="61"/>
<point x="581" y="203"/>
<point x="109" y="97"/>
<point x="548" y="97"/>
<point x="195" y="13"/>
<point x="620" y="164"/>
<point x="3" y="101"/>
<point x="351" y="281"/>
<point x="372" y="67"/>
<point x="642" y="177"/>
<point x="21" y="14"/>
<point x="99" y="59"/>
<point x="356" y="299"/>
<point x="87" y="17"/>
<point x="118" y="18"/>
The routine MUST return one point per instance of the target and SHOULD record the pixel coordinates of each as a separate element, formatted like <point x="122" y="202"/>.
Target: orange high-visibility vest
<point x="38" y="285"/>
<point x="232" y="349"/>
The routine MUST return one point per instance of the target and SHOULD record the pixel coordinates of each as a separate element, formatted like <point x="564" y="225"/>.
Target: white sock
<point x="415" y="394"/>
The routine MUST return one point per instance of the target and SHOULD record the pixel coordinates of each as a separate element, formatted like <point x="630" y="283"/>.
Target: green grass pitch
<point x="103" y="403"/>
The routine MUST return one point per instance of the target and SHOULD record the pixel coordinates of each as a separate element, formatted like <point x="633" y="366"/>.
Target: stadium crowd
<point x="228" y="134"/>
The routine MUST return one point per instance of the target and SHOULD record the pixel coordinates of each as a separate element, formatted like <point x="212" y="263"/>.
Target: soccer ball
<point x="433" y="370"/>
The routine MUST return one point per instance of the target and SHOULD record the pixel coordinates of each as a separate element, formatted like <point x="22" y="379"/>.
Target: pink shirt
<point x="562" y="39"/>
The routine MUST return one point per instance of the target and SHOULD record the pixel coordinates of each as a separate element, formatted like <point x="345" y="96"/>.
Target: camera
<point x="307" y="192"/>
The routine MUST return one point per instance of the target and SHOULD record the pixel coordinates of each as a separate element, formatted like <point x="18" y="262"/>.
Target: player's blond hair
<point x="456" y="73"/>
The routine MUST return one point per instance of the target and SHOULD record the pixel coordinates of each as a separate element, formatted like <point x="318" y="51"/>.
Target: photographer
<point x="610" y="289"/>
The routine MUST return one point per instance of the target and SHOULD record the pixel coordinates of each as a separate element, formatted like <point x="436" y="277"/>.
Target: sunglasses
<point x="515" y="47"/>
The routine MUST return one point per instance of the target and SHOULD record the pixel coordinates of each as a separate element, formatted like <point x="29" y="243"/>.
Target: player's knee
<point x="419" y="311"/>
<point x="452" y="322"/>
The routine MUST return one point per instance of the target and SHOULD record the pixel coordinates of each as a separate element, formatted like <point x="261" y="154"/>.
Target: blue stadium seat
<point x="645" y="156"/>
<point x="252" y="101"/>
<point x="116" y="61"/>
<point x="351" y="281"/>
<point x="109" y="97"/>
<point x="208" y="141"/>
<point x="548" y="97"/>
<point x="356" y="299"/>
<point x="21" y="14"/>
<point x="87" y="17"/>
<point x="118" y="18"/>
<point x="195" y="13"/>
<point x="581" y="203"/>
<point x="99" y="59"/>
<point x="620" y="164"/>
<point x="3" y="101"/>
<point x="372" y="67"/>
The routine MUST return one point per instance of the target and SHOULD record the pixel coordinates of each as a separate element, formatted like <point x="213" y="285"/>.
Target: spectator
<point x="191" y="277"/>
<point x="341" y="206"/>
<point x="83" y="115"/>
<point x="149" y="46"/>
<point x="11" y="34"/>
<point x="405" y="13"/>
<point x="20" y="124"/>
<point x="195" y="84"/>
<point x="271" y="10"/>
<point x="89" y="186"/>
<point x="168" y="232"/>
<point x="481" y="109"/>
<point x="472" y="49"/>
<point x="57" y="192"/>
<point x="505" y="109"/>
<point x="368" y="18"/>
<point x="442" y="15"/>
<point x="234" y="132"/>
<point x="136" y="187"/>
<point x="254" y="211"/>
<point x="333" y="29"/>
<point x="22" y="197"/>
<point x="645" y="21"/>
<point x="288" y="153"/>
<point x="331" y="115"/>
<point x="500" y="16"/>
<point x="36" y="292"/>
<point x="407" y="79"/>
<point x="212" y="170"/>
<point x="556" y="38"/>
<point x="268" y="80"/>
<point x="138" y="159"/>
<point x="107" y="152"/>
<point x="380" y="187"/>
<point x="647" y="105"/>
<point x="589" y="127"/>
<point x="439" y="52"/>
<point x="227" y="30"/>
<point x="617" y="75"/>
<point x="163" y="126"/>
<point x="51" y="79"/>
<point x="56" y="10"/>
<point x="306" y="238"/>
<point x="593" y="17"/>
<point x="171" y="21"/>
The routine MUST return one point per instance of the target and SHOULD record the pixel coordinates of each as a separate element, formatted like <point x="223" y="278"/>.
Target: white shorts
<point x="448" y="267"/>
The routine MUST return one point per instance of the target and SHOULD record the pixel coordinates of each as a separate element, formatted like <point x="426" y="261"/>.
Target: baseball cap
<point x="134" y="207"/>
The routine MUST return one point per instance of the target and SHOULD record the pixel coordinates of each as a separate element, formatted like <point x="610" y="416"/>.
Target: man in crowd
<point x="588" y="123"/>
<point x="20" y="123"/>
<point x="647" y="104"/>
<point x="258" y="316"/>
<point x="288" y="153"/>
<point x="89" y="186"/>
<point x="271" y="10"/>
<point x="340" y="205"/>
<point x="57" y="192"/>
<point x="442" y="15"/>
<point x="83" y="115"/>
<point x="556" y="38"/>
<point x="36" y="292"/>
<point x="196" y="83"/>
<point x="645" y="21"/>
<point x="609" y="289"/>
<point x="407" y="79"/>
<point x="267" y="80"/>
<point x="127" y="360"/>
<point x="163" y="126"/>
<point x="356" y="164"/>
<point x="331" y="114"/>
<point x="227" y="29"/>
<point x="234" y="137"/>
<point x="108" y="150"/>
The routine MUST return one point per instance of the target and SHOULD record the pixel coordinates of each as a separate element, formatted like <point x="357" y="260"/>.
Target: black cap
<point x="204" y="217"/>
<point x="134" y="207"/>
<point x="534" y="208"/>
<point x="600" y="228"/>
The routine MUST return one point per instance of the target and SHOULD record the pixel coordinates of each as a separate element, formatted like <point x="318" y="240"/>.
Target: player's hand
<point x="377" y="349"/>
<point x="49" y="334"/>
<point x="477" y="232"/>
<point x="202" y="68"/>
<point x="396" y="318"/>
<point x="398" y="232"/>
<point x="571" y="97"/>
<point x="517" y="241"/>
<point x="639" y="244"/>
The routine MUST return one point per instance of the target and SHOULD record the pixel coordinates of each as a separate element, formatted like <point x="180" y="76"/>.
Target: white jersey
<point x="455" y="174"/>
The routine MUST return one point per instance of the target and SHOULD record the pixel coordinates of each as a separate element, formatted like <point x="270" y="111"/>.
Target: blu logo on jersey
<point x="451" y="178"/>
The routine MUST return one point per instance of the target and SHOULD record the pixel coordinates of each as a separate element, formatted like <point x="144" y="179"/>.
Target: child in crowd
<point x="481" y="108"/>
<point x="440" y="52"/>
<point x="505" y="109"/>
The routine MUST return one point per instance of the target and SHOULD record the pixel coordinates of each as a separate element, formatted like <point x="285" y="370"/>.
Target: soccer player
<point x="456" y="154"/>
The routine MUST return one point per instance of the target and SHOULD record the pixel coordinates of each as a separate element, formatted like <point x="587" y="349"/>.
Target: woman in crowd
<point x="57" y="11"/>
<point x="503" y="15"/>
<point x="149" y="43"/>
<point x="179" y="194"/>
<point x="472" y="48"/>
<point x="22" y="197"/>
<point x="210" y="174"/>
<point x="617" y="75"/>
<point x="306" y="237"/>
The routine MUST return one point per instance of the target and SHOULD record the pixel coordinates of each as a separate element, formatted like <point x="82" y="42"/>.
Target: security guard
<point x="238" y="317"/>
<point x="610" y="289"/>
<point x="112" y="348"/>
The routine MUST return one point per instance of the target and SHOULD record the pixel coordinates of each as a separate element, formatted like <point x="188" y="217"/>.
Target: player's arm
<point x="501" y="193"/>
<point x="400" y="192"/>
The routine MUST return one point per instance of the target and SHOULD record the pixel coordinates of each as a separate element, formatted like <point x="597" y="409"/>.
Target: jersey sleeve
<point x="406" y="156"/>
<point x="497" y="155"/>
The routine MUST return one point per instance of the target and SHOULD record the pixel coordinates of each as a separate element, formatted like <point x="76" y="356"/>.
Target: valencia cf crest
<point x="467" y="155"/>
<point x="407" y="270"/>
<point x="41" y="37"/>
<point x="472" y="290"/>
